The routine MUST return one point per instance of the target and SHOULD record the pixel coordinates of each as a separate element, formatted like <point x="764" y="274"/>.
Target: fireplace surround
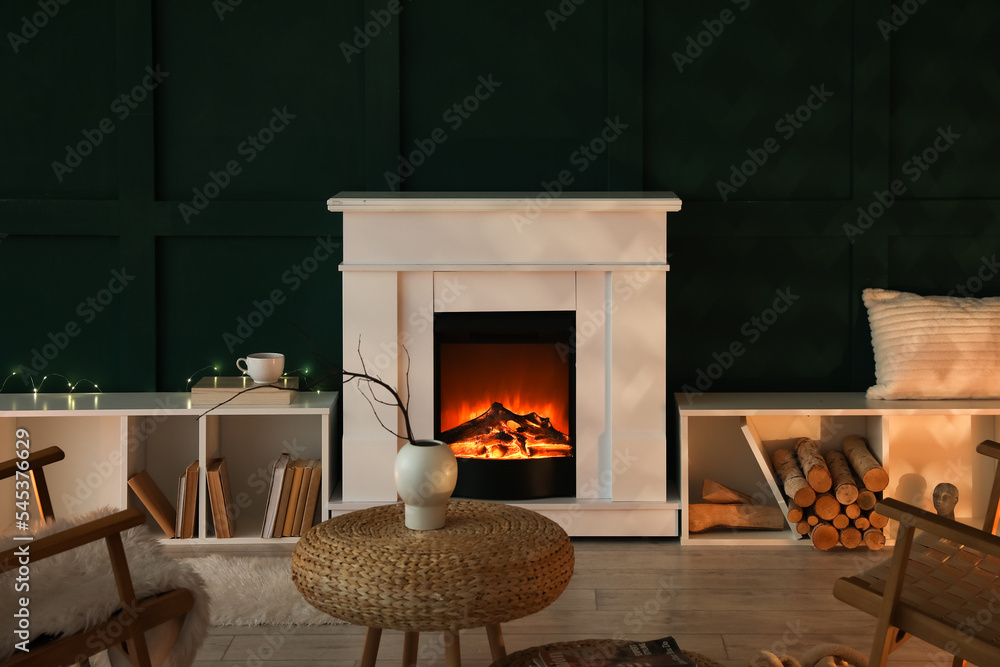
<point x="411" y="257"/>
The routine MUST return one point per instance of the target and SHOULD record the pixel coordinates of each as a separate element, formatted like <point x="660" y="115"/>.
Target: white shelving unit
<point x="730" y="438"/>
<point x="107" y="438"/>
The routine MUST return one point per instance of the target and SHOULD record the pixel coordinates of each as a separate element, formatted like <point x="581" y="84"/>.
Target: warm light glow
<point x="523" y="378"/>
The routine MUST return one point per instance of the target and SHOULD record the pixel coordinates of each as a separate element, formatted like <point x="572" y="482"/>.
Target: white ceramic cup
<point x="262" y="367"/>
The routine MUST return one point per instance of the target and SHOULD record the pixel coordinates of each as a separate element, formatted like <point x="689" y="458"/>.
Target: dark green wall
<point x="296" y="107"/>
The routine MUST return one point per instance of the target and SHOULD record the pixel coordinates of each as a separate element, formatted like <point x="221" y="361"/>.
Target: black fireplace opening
<point x="505" y="400"/>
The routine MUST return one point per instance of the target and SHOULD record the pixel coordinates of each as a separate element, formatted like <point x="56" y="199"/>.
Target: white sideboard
<point x="729" y="438"/>
<point x="107" y="438"/>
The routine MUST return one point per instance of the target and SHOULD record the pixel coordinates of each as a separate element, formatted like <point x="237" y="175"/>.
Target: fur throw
<point x="76" y="589"/>
<point x="824" y="655"/>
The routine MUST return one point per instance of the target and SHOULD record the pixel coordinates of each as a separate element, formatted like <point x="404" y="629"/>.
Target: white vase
<point x="425" y="472"/>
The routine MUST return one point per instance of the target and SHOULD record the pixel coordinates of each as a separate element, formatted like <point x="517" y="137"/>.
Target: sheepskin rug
<point x="76" y="589"/>
<point x="255" y="590"/>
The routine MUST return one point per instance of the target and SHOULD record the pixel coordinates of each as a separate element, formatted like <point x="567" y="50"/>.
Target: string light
<point x="187" y="387"/>
<point x="71" y="386"/>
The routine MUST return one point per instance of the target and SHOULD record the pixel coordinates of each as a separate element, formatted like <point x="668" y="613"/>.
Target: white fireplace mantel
<point x="603" y="256"/>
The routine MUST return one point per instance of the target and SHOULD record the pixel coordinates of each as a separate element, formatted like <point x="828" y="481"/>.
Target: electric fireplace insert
<point x="504" y="400"/>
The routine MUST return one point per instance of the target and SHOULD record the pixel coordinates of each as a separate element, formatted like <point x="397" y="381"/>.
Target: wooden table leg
<point x="410" y="642"/>
<point x="497" y="649"/>
<point x="452" y="651"/>
<point x="372" y="637"/>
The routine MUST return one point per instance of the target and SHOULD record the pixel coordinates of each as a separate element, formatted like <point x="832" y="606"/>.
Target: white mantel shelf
<point x="503" y="201"/>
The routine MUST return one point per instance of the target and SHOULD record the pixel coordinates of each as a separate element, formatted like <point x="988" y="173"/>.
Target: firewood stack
<point x="832" y="498"/>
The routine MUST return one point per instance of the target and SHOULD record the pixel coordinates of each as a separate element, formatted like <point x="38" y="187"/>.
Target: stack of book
<point x="291" y="502"/>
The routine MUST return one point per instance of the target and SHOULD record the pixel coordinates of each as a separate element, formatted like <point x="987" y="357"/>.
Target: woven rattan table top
<point x="491" y="563"/>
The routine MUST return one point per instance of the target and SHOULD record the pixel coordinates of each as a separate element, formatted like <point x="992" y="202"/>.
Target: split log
<point x="795" y="484"/>
<point x="813" y="465"/>
<point x="841" y="522"/>
<point x="874" y="539"/>
<point x="843" y="479"/>
<point x="826" y="506"/>
<point x="878" y="520"/>
<point x="871" y="472"/>
<point x="795" y="513"/>
<point x="851" y="538"/>
<point x="824" y="536"/>
<point x="853" y="511"/>
<point x="713" y="492"/>
<point x="812" y="519"/>
<point x="704" y="516"/>
<point x="866" y="499"/>
<point x="862" y="523"/>
<point x="802" y="527"/>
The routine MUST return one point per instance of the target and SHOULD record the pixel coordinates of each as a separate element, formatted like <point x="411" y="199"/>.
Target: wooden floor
<point x="724" y="602"/>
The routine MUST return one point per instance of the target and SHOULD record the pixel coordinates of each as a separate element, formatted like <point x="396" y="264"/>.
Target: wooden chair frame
<point x="126" y="628"/>
<point x="898" y="621"/>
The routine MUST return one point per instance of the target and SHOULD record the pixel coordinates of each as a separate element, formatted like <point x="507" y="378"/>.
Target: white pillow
<point x="934" y="346"/>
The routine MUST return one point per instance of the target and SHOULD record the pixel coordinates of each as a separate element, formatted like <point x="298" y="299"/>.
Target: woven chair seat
<point x="946" y="581"/>
<point x="491" y="563"/>
<point x="526" y="657"/>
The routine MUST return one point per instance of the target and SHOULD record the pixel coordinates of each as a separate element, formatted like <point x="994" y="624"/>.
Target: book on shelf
<point x="221" y="496"/>
<point x="286" y="491"/>
<point x="293" y="497"/>
<point x="154" y="500"/>
<point x="300" y="505"/>
<point x="656" y="653"/>
<point x="312" y="495"/>
<point x="241" y="390"/>
<point x="189" y="501"/>
<point x="178" y="516"/>
<point x="274" y="495"/>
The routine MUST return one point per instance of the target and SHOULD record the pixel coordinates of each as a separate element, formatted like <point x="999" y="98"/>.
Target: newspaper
<point x="655" y="653"/>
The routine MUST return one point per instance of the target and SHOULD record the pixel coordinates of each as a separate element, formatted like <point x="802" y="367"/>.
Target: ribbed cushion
<point x="934" y="346"/>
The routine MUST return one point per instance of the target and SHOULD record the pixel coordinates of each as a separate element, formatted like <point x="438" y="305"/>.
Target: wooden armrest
<point x="73" y="537"/>
<point x="989" y="448"/>
<point x="937" y="525"/>
<point x="36" y="460"/>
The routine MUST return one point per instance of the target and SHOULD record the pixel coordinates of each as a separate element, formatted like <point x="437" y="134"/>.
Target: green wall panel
<point x="946" y="83"/>
<point x="700" y="87"/>
<point x="60" y="90"/>
<point x="945" y="265"/>
<point x="263" y="90"/>
<point x="223" y="298"/>
<point x="289" y="303"/>
<point x="758" y="314"/>
<point x="760" y="88"/>
<point x="63" y="311"/>
<point x="504" y="96"/>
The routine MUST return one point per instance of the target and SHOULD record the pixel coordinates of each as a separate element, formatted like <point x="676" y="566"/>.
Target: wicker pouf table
<point x="490" y="564"/>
